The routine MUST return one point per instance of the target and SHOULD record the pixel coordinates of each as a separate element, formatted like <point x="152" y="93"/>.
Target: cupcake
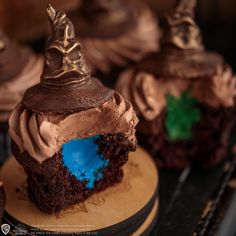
<point x="115" y="34"/>
<point x="71" y="134"/>
<point x="20" y="68"/>
<point x="184" y="96"/>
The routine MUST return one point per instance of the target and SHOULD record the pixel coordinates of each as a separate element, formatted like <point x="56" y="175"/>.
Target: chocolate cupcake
<point x="20" y="68"/>
<point x="115" y="34"/>
<point x="184" y="96"/>
<point x="71" y="134"/>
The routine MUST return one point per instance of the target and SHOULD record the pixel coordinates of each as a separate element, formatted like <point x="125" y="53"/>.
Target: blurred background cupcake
<point x="184" y="96"/>
<point x="20" y="68"/>
<point x="115" y="34"/>
<point x="216" y="19"/>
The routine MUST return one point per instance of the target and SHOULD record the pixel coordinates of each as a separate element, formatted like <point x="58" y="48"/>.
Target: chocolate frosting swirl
<point x="66" y="81"/>
<point x="148" y="94"/>
<point x="42" y="134"/>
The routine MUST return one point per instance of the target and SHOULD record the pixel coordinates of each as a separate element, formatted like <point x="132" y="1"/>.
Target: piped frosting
<point x="42" y="135"/>
<point x="42" y="131"/>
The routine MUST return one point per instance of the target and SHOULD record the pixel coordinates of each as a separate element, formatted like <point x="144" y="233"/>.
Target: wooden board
<point x="150" y="221"/>
<point x="121" y="207"/>
<point x="144" y="230"/>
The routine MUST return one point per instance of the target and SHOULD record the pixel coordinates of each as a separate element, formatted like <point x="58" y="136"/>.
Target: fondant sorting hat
<point x="183" y="54"/>
<point x="66" y="81"/>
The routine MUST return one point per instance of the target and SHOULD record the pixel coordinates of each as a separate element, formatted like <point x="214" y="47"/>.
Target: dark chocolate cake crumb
<point x="51" y="186"/>
<point x="207" y="147"/>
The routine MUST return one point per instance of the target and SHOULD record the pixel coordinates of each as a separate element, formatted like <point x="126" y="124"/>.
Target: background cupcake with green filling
<point x="184" y="96"/>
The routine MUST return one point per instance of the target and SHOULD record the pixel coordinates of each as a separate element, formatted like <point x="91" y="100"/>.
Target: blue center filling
<point x="82" y="159"/>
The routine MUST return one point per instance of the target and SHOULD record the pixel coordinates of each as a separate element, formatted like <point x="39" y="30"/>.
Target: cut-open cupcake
<point x="70" y="133"/>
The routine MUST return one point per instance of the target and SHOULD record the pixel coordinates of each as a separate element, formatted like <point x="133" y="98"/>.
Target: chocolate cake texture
<point x="207" y="147"/>
<point x="184" y="96"/>
<point x="71" y="134"/>
<point x="52" y="187"/>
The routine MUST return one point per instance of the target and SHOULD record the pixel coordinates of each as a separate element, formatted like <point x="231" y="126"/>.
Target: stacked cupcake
<point x="123" y="32"/>
<point x="71" y="134"/>
<point x="184" y="96"/>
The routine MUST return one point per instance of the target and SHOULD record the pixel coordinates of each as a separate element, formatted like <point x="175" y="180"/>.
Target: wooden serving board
<point x="121" y="208"/>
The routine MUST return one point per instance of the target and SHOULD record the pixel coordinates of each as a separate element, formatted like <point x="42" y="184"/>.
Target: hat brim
<point x="90" y="95"/>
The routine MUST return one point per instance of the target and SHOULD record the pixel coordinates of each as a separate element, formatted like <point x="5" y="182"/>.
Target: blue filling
<point x="82" y="159"/>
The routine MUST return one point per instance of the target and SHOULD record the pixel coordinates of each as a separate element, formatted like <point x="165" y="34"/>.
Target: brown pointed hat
<point x="183" y="54"/>
<point x="66" y="84"/>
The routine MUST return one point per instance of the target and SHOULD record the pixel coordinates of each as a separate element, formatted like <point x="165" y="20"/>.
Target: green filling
<point x="182" y="113"/>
